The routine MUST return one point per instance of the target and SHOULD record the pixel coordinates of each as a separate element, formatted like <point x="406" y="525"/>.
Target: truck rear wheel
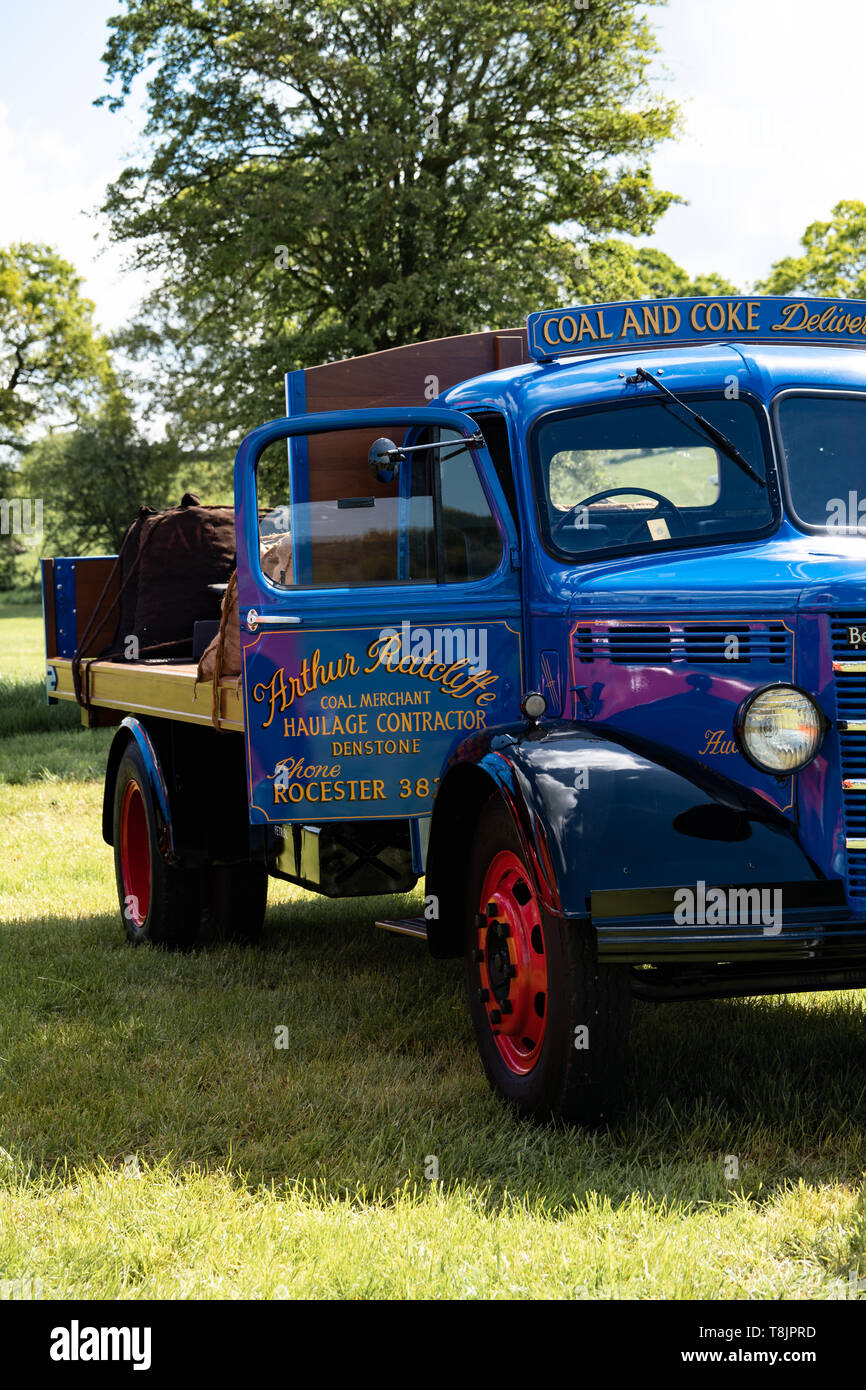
<point x="159" y="902"/>
<point x="551" y="1023"/>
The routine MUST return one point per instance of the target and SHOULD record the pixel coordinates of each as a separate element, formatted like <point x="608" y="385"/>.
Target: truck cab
<point x="580" y="641"/>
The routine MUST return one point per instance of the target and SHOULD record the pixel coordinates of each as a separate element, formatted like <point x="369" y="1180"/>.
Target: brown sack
<point x="222" y="656"/>
<point x="128" y="566"/>
<point x="182" y="551"/>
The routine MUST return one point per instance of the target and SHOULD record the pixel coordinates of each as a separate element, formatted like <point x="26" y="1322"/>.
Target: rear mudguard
<point x="600" y="813"/>
<point x="197" y="781"/>
<point x="132" y="730"/>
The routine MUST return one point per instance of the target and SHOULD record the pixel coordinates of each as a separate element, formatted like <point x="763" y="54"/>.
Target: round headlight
<point x="780" y="729"/>
<point x="533" y="706"/>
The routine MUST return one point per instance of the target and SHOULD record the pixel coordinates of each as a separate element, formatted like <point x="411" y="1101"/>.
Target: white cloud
<point x="771" y="92"/>
<point x="51" y="187"/>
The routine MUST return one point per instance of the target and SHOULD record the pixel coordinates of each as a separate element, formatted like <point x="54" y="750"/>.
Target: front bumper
<point x="800" y="921"/>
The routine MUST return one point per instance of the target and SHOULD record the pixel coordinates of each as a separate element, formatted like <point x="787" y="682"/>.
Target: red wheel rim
<point x="135" y="854"/>
<point x="512" y="963"/>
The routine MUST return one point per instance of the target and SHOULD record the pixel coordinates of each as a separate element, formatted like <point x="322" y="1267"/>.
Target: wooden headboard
<point x="401" y="376"/>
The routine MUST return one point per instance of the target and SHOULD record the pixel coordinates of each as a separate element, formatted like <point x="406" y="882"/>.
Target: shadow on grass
<point x="338" y="1056"/>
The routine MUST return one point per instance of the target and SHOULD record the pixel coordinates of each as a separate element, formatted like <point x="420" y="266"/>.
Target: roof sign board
<point x="593" y="328"/>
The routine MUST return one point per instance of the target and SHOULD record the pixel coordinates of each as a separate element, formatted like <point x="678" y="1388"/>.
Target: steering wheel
<point x="664" y="507"/>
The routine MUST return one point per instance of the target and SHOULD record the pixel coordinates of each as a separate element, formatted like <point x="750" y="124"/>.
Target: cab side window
<point x="345" y="530"/>
<point x="495" y="431"/>
<point x="465" y="543"/>
<point x="432" y="524"/>
<point x="471" y="544"/>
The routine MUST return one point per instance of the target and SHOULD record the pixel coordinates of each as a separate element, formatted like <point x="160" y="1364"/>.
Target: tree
<point x="51" y="356"/>
<point x="616" y="269"/>
<point x="328" y="179"/>
<point x="94" y="478"/>
<point x="665" y="279"/>
<point x="833" y="262"/>
<point x="52" y="360"/>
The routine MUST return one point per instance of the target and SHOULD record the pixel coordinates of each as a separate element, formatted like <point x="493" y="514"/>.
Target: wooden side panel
<point x="511" y="349"/>
<point x="401" y="376"/>
<point x="91" y="575"/>
<point x="49" y="613"/>
<point x="167" y="692"/>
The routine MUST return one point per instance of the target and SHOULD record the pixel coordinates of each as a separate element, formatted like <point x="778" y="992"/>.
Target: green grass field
<point x="688" y="478"/>
<point x="156" y="1144"/>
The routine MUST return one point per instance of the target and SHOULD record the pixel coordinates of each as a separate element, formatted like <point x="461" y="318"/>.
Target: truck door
<point x="380" y="615"/>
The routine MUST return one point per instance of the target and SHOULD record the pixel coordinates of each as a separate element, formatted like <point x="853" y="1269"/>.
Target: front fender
<point x="600" y="812"/>
<point x="611" y="811"/>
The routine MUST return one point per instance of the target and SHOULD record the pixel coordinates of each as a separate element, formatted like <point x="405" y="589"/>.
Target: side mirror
<point x="384" y="459"/>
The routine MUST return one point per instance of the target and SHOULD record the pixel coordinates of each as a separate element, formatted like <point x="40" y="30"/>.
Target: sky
<point x="57" y="151"/>
<point x="772" y="137"/>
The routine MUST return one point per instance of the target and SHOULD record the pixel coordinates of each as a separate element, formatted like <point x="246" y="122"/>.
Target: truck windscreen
<point x="823" y="449"/>
<point x="643" y="475"/>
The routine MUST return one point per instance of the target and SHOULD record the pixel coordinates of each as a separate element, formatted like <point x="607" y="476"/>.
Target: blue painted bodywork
<point x="657" y="733"/>
<point x="374" y="742"/>
<point x="330" y="681"/>
<point x="612" y="823"/>
<point x="64" y="606"/>
<point x="789" y="578"/>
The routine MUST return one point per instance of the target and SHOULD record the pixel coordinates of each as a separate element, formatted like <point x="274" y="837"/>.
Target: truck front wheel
<point x="159" y="902"/>
<point x="551" y="1023"/>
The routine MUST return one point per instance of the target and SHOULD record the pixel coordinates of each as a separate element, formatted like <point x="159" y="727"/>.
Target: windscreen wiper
<point x="725" y="444"/>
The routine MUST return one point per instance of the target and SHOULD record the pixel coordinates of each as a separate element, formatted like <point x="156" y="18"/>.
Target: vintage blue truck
<point x="570" y="621"/>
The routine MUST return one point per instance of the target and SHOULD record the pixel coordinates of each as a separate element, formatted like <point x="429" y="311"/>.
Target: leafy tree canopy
<point x="327" y="179"/>
<point x="51" y="357"/>
<point x="664" y="279"/>
<point x="833" y="262"/>
<point x="52" y="362"/>
<point x="93" y="479"/>
<point x="613" y="269"/>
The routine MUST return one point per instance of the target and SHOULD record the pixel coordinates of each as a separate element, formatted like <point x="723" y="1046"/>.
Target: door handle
<point x="254" y="619"/>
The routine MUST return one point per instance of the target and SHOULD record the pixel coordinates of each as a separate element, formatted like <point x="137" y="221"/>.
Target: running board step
<point x="405" y="926"/>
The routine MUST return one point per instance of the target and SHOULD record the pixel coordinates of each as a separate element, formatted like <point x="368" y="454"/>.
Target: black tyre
<point x="235" y="898"/>
<point x="551" y="1023"/>
<point x="159" y="902"/>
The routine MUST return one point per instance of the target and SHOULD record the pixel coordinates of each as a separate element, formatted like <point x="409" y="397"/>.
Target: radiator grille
<point x="849" y="662"/>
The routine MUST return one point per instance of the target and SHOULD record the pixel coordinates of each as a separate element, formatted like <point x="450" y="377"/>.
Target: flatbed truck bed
<point x="161" y="690"/>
